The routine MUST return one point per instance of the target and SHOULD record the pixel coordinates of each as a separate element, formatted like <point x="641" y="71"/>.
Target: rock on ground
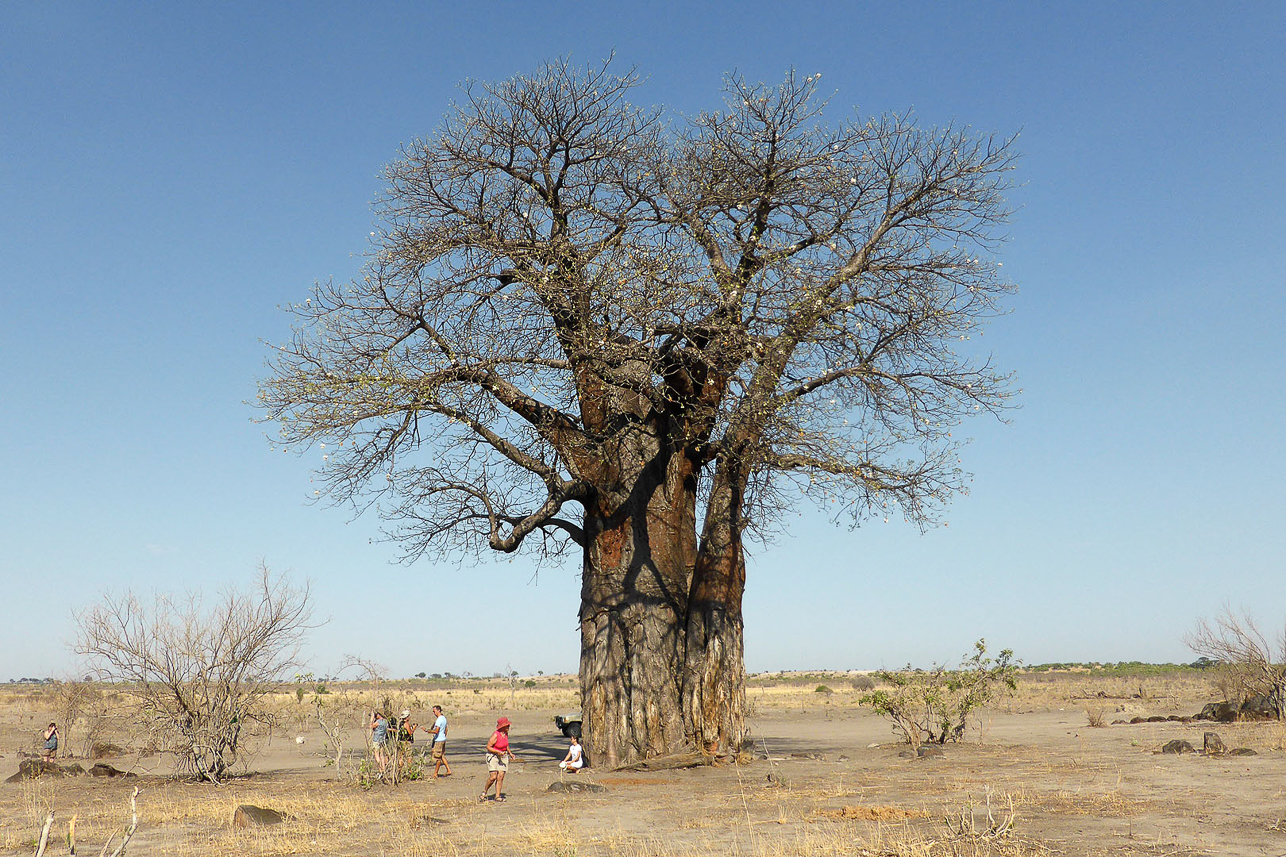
<point x="249" y="815"/>
<point x="569" y="786"/>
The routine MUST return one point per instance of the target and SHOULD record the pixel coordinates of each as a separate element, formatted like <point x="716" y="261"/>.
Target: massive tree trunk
<point x="714" y="671"/>
<point x="639" y="552"/>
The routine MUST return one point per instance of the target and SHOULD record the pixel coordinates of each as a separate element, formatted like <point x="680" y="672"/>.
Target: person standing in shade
<point x="439" y="733"/>
<point x="498" y="757"/>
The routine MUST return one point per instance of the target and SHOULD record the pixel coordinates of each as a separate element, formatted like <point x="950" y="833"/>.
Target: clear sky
<point x="172" y="173"/>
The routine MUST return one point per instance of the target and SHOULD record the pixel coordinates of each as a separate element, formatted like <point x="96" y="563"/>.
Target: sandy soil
<point x="826" y="780"/>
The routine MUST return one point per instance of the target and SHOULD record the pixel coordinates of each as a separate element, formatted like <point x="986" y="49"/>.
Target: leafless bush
<point x="200" y="679"/>
<point x="1094" y="717"/>
<point x="72" y="700"/>
<point x="1249" y="664"/>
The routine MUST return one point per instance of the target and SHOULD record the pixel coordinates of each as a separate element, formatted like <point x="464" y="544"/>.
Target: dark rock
<point x="570" y="786"/>
<point x="1258" y="708"/>
<point x="1134" y="720"/>
<point x="248" y="815"/>
<point x="1242" y="751"/>
<point x="841" y="758"/>
<point x="930" y="752"/>
<point x="1219" y="712"/>
<point x="74" y="770"/>
<point x="105" y="749"/>
<point x="1178" y="746"/>
<point x="1175" y="718"/>
<point x="1213" y="745"/>
<point x="102" y="769"/>
<point x="1156" y="718"/>
<point x="29" y="769"/>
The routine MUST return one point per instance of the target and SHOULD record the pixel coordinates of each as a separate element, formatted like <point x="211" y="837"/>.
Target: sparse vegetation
<point x="1248" y="664"/>
<point x="199" y="680"/>
<point x="934" y="705"/>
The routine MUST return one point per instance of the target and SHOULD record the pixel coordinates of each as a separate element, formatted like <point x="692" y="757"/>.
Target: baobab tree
<point x="586" y="327"/>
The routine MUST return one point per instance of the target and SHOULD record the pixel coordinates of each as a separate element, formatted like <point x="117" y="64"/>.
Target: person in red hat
<point x="498" y="757"/>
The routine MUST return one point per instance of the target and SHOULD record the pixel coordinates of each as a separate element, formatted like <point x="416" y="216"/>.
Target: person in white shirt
<point x="575" y="759"/>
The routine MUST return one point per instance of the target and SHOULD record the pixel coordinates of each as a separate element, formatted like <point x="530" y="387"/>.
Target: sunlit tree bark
<point x="584" y="327"/>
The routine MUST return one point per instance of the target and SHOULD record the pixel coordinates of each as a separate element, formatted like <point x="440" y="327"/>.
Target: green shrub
<point x="821" y="688"/>
<point x="934" y="705"/>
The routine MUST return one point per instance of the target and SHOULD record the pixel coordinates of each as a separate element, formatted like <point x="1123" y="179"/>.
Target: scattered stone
<point x="105" y="749"/>
<point x="29" y="769"/>
<point x="814" y="757"/>
<point x="1219" y="712"/>
<point x="1242" y="751"/>
<point x="570" y="786"/>
<point x="841" y="758"/>
<point x="1178" y="746"/>
<point x="1258" y="708"/>
<point x="248" y="815"/>
<point x="102" y="769"/>
<point x="1213" y="745"/>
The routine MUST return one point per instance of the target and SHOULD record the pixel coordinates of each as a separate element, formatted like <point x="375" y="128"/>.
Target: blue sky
<point x="172" y="173"/>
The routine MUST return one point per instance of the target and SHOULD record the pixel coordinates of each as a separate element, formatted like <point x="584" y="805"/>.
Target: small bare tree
<point x="200" y="678"/>
<point x="1249" y="663"/>
<point x="73" y="700"/>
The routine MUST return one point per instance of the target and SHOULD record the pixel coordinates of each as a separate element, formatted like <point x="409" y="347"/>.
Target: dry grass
<point x="875" y="806"/>
<point x="178" y="819"/>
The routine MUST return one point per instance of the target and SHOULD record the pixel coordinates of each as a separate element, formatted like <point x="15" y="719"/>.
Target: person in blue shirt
<point x="439" y="732"/>
<point x="51" y="741"/>
<point x="379" y="740"/>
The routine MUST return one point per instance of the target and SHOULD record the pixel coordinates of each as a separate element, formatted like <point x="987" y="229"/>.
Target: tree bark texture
<point x="634" y="594"/>
<point x="662" y="651"/>
<point x="714" y="691"/>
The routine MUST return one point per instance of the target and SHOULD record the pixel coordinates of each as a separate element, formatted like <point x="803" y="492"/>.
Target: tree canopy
<point x="588" y="325"/>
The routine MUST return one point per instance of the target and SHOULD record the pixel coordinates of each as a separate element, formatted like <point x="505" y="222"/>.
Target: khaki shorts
<point x="439" y="749"/>
<point x="497" y="762"/>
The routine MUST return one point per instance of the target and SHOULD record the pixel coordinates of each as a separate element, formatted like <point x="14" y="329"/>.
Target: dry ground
<point x="834" y="783"/>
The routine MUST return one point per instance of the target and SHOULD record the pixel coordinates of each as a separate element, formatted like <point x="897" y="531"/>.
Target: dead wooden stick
<point x="71" y="837"/>
<point x="672" y="762"/>
<point x="44" y="834"/>
<point x="129" y="833"/>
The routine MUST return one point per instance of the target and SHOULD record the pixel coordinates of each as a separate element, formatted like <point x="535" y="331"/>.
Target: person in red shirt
<point x="498" y="757"/>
